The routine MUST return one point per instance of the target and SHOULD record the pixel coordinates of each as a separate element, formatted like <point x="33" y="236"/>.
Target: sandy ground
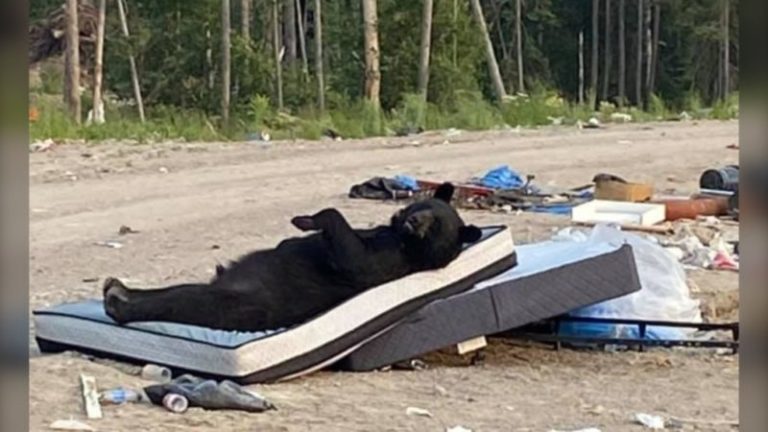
<point x="196" y="204"/>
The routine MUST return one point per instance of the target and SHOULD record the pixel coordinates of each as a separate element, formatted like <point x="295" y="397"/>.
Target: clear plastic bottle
<point x="120" y="395"/>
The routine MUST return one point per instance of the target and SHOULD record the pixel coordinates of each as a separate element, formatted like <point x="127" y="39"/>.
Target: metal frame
<point x="553" y="326"/>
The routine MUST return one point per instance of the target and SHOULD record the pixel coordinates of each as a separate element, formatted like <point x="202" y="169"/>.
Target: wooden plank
<point x="90" y="396"/>
<point x="665" y="228"/>
<point x="470" y="345"/>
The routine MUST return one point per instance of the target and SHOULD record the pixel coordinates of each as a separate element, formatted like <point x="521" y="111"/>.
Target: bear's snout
<point x="418" y="223"/>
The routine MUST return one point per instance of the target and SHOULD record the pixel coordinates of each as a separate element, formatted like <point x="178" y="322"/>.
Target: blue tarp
<point x="502" y="177"/>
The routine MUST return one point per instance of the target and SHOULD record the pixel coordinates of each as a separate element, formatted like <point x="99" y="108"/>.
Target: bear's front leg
<point x="347" y="247"/>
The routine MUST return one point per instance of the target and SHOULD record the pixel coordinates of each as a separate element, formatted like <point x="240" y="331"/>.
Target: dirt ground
<point x="196" y="204"/>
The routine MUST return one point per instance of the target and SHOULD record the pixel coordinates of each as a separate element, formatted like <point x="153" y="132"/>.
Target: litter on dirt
<point x="125" y="229"/>
<point x="458" y="429"/>
<point x="70" y="425"/>
<point x="209" y="394"/>
<point x="418" y="412"/>
<point x="110" y="244"/>
<point x="650" y="421"/>
<point x="591" y="429"/>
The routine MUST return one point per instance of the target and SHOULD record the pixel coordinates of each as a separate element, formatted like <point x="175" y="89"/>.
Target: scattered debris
<point x="650" y="421"/>
<point x="152" y="372"/>
<point x="163" y="170"/>
<point x="411" y="365"/>
<point x="258" y="136"/>
<point x="209" y="394"/>
<point x="419" y="412"/>
<point x="701" y="246"/>
<point x="556" y="121"/>
<point x="124" y="229"/>
<point x="619" y="117"/>
<point x="592" y="123"/>
<point x="90" y="279"/>
<point x="70" y="425"/>
<point x="330" y="133"/>
<point x="458" y="429"/>
<point x="90" y="397"/>
<point x="620" y="212"/>
<point x="121" y="395"/>
<point x="732" y="146"/>
<point x="441" y="390"/>
<point x="175" y="403"/>
<point x="590" y="429"/>
<point x="611" y="187"/>
<point x="381" y="188"/>
<point x="41" y="146"/>
<point x="110" y="244"/>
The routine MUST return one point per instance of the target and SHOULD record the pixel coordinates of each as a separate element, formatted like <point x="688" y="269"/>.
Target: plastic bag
<point x="664" y="293"/>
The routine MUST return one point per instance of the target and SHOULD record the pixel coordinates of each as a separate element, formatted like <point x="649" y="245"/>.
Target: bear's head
<point x="431" y="230"/>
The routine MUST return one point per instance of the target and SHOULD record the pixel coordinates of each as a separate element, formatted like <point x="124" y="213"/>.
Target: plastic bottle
<point x="120" y="395"/>
<point x="175" y="403"/>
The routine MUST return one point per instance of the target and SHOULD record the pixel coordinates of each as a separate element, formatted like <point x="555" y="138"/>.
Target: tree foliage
<point x="178" y="51"/>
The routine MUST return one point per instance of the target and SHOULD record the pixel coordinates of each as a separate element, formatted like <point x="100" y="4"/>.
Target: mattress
<point x="250" y="357"/>
<point x="552" y="278"/>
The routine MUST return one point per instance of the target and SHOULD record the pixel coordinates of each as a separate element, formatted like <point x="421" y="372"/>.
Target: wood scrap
<point x="90" y="396"/>
<point x="665" y="228"/>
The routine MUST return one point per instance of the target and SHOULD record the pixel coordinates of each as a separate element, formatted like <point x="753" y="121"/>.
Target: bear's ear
<point x="470" y="234"/>
<point x="444" y="192"/>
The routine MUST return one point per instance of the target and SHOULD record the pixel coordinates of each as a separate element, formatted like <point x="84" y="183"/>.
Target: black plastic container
<point x="723" y="179"/>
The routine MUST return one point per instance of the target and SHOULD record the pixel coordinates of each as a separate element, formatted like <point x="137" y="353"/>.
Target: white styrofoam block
<point x="619" y="212"/>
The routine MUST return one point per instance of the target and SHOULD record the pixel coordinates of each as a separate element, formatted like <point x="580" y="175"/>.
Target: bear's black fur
<point x="305" y="276"/>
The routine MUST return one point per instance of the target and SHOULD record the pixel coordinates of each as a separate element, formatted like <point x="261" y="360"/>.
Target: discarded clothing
<point x="381" y="188"/>
<point x="407" y="182"/>
<point x="209" y="394"/>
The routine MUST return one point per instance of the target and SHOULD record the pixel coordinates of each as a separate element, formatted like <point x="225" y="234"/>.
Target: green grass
<point x="350" y="119"/>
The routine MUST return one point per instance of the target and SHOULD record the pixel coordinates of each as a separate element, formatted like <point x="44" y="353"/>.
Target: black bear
<point x="305" y="276"/>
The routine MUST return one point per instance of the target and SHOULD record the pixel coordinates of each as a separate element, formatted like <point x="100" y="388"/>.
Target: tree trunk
<point x="226" y="47"/>
<point x="289" y="30"/>
<point x="726" y="49"/>
<point x="424" y="51"/>
<point x="595" y="53"/>
<point x="319" y="56"/>
<point x="72" y="63"/>
<point x="245" y="19"/>
<point x="648" y="50"/>
<point x="581" y="68"/>
<point x="98" y="67"/>
<point x="506" y="57"/>
<point x="639" y="61"/>
<point x="519" y="46"/>
<point x="302" y="39"/>
<point x="276" y="51"/>
<point x="454" y="41"/>
<point x="622" y="54"/>
<point x="493" y="66"/>
<point x="209" y="59"/>
<point x="607" y="49"/>
<point x="655" y="56"/>
<point x="132" y="61"/>
<point x="371" y="33"/>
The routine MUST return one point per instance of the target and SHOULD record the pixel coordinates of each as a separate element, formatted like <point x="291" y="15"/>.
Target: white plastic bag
<point x="664" y="293"/>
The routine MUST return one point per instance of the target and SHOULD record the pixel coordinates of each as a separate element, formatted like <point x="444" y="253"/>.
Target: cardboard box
<point x="618" y="191"/>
